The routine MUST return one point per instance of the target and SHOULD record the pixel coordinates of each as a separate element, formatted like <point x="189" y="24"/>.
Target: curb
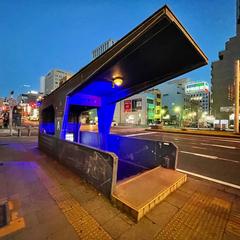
<point x="194" y="133"/>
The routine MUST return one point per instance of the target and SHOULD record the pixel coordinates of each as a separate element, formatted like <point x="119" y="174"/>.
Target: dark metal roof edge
<point x="171" y="15"/>
<point x="159" y="12"/>
<point x="167" y="78"/>
<point x="165" y="10"/>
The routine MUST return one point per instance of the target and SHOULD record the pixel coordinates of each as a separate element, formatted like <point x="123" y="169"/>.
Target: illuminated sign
<point x="127" y="105"/>
<point x="196" y="88"/>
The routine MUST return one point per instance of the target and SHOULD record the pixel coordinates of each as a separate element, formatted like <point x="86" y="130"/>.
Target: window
<point x="150" y="101"/>
<point x="136" y="104"/>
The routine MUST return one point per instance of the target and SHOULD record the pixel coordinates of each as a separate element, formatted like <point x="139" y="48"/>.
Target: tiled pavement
<point x="40" y="189"/>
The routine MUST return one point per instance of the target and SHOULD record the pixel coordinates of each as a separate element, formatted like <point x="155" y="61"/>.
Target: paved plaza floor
<point x="48" y="201"/>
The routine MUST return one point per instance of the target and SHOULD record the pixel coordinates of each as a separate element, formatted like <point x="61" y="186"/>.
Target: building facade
<point x="198" y="97"/>
<point x="53" y="79"/>
<point x="140" y="109"/>
<point x="223" y="75"/>
<point x="173" y="95"/>
<point x="102" y="48"/>
<point x="28" y="102"/>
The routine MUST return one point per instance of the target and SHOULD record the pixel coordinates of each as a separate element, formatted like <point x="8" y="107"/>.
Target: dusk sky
<point x="37" y="36"/>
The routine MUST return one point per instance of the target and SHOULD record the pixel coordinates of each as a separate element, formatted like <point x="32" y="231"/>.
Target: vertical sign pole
<point x="10" y="119"/>
<point x="236" y="80"/>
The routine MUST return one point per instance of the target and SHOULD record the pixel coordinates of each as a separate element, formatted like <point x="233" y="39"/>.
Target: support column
<point x="236" y="80"/>
<point x="105" y="117"/>
<point x="65" y="119"/>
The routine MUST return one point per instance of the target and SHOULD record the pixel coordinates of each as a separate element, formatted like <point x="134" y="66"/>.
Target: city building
<point x="3" y="105"/>
<point x="173" y="95"/>
<point x="198" y="96"/>
<point x="28" y="103"/>
<point x="64" y="79"/>
<point x="140" y="109"/>
<point x="102" y="48"/>
<point x="42" y="84"/>
<point x="53" y="79"/>
<point x="223" y="75"/>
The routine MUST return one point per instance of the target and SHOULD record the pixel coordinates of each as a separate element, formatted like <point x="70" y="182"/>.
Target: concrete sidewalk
<point x="55" y="203"/>
<point x="5" y="132"/>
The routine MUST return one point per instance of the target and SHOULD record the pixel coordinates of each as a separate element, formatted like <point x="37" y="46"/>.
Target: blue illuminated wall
<point x="99" y="94"/>
<point x="47" y="124"/>
<point x="105" y="117"/>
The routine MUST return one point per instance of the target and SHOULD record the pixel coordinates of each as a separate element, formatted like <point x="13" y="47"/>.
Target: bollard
<point x="29" y="131"/>
<point x="19" y="132"/>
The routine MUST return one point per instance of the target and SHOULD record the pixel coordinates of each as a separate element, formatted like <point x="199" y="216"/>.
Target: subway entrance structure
<point x="135" y="173"/>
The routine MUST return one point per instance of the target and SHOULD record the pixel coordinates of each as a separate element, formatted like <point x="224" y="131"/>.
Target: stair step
<point x="139" y="194"/>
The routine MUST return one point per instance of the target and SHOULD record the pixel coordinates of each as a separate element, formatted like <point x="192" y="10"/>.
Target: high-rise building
<point x="42" y="84"/>
<point x="173" y="94"/>
<point x="102" y="48"/>
<point x="140" y="109"/>
<point x="53" y="79"/>
<point x="198" y="96"/>
<point x="223" y="75"/>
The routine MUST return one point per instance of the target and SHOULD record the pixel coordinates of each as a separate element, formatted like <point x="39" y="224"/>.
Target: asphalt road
<point x="213" y="157"/>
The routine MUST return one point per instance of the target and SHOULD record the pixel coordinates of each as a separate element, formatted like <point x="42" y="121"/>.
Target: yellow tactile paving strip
<point x="16" y="223"/>
<point x="84" y="224"/>
<point x="233" y="225"/>
<point x="202" y="217"/>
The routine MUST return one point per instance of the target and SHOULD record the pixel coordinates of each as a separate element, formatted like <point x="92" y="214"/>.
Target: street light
<point x="118" y="81"/>
<point x="162" y="112"/>
<point x="177" y="110"/>
<point x="236" y="81"/>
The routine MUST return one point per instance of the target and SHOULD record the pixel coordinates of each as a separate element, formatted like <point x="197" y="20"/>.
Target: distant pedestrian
<point x="5" y="120"/>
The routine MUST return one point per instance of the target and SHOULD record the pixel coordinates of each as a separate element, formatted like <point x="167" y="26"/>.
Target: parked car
<point x="33" y="118"/>
<point x="114" y="123"/>
<point x="1" y="122"/>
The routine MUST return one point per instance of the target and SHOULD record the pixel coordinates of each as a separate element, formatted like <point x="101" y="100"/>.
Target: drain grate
<point x="3" y="215"/>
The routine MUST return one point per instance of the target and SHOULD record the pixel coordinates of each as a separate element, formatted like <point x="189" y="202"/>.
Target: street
<point x="213" y="157"/>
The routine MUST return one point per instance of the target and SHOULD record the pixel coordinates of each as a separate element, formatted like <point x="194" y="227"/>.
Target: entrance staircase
<point x="139" y="194"/>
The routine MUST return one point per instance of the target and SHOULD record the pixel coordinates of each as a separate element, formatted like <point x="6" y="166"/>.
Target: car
<point x="33" y="118"/>
<point x="92" y="122"/>
<point x="114" y="123"/>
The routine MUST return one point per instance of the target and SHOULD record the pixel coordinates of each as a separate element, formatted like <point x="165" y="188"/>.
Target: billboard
<point x="127" y="105"/>
<point x="197" y="88"/>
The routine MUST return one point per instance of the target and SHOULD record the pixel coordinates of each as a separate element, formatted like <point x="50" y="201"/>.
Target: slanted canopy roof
<point x="157" y="50"/>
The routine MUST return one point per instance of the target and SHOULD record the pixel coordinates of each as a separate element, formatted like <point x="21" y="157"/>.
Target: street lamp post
<point x="178" y="111"/>
<point x="236" y="80"/>
<point x="162" y="112"/>
<point x="12" y="102"/>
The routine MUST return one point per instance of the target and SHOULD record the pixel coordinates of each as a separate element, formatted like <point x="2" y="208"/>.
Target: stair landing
<point x="139" y="194"/>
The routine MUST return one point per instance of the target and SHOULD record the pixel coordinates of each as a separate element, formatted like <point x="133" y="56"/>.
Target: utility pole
<point x="12" y="103"/>
<point x="236" y="81"/>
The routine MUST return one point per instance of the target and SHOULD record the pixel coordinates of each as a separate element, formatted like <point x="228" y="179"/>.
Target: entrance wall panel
<point x="97" y="167"/>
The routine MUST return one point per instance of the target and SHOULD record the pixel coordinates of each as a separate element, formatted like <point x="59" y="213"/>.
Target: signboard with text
<point x="196" y="88"/>
<point x="127" y="105"/>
